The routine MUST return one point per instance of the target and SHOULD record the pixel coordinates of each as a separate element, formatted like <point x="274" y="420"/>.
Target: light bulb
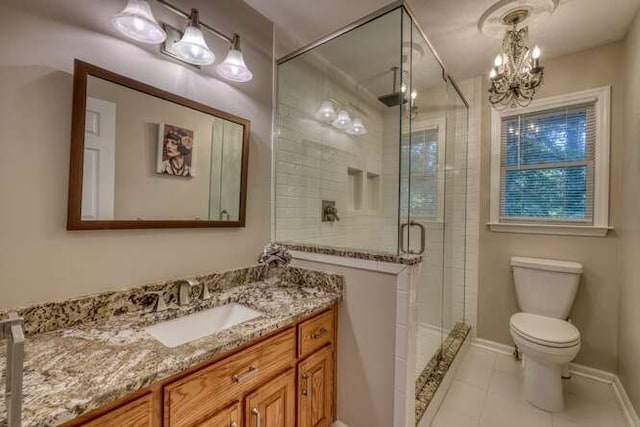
<point x="357" y="127"/>
<point x="326" y="112"/>
<point x="498" y="61"/>
<point x="493" y="73"/>
<point x="343" y="121"/>
<point x="414" y="95"/>
<point x="137" y="22"/>
<point x="192" y="48"/>
<point x="536" y="52"/>
<point x="233" y="67"/>
<point x="403" y="88"/>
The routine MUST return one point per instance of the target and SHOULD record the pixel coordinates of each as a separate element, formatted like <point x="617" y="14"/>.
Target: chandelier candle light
<point x="516" y="74"/>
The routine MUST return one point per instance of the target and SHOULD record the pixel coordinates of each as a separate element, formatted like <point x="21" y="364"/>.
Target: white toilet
<point x="545" y="289"/>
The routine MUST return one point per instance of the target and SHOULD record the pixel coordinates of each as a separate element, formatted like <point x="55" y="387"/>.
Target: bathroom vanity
<point x="260" y="384"/>
<point x="92" y="361"/>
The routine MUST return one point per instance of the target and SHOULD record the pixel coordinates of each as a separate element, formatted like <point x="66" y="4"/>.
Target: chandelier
<point x="516" y="74"/>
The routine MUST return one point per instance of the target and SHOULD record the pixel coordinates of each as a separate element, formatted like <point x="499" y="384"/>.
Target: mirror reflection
<point x="147" y="158"/>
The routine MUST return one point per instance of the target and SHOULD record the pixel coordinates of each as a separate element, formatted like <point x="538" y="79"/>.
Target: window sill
<point x="558" y="230"/>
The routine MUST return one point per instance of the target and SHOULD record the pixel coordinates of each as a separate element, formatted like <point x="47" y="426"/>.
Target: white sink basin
<point x="173" y="333"/>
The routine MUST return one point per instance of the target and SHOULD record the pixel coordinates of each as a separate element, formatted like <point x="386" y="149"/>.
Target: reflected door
<point x="98" y="178"/>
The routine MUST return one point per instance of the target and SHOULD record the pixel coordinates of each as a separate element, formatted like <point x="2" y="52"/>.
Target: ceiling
<point x="452" y="26"/>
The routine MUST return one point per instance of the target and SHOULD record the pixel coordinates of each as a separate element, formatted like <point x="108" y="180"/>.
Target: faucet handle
<point x="205" y="295"/>
<point x="160" y="304"/>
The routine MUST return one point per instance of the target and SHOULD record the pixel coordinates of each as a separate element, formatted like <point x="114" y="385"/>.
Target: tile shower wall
<point x="316" y="162"/>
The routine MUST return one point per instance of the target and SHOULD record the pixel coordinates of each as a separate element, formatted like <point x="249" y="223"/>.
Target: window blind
<point x="547" y="165"/>
<point x="423" y="155"/>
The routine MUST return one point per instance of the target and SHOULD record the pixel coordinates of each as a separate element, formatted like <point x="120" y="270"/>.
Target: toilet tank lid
<point x="547" y="264"/>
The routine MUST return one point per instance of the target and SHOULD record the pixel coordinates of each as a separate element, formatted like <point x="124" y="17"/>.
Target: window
<point x="422" y="151"/>
<point x="550" y="166"/>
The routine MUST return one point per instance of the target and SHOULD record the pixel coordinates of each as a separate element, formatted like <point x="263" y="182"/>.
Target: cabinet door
<point x="315" y="389"/>
<point x="228" y="417"/>
<point x="137" y="413"/>
<point x="273" y="404"/>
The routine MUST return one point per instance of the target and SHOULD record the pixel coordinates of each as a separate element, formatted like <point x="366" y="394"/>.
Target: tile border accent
<point x="628" y="410"/>
<point x="363" y="254"/>
<point x="362" y="264"/>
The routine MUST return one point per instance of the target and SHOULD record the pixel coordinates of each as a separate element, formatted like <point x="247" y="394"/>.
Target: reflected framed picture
<point x="175" y="151"/>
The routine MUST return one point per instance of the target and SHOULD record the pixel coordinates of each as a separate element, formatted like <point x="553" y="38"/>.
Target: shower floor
<point x="427" y="344"/>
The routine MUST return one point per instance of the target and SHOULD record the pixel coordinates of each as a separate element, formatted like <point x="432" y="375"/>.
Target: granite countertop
<point x="74" y="369"/>
<point x="365" y="254"/>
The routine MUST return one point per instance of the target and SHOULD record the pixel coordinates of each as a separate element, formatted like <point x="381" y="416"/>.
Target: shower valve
<point x="329" y="211"/>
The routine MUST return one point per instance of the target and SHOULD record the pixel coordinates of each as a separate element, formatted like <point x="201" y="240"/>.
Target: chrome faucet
<point x="184" y="291"/>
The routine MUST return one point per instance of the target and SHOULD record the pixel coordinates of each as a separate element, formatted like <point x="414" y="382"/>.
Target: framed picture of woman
<point x="175" y="151"/>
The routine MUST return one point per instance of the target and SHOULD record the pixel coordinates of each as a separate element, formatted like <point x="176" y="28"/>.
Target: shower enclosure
<point x="371" y="153"/>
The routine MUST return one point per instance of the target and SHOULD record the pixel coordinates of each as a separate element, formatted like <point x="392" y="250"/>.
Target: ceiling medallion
<point x="516" y="74"/>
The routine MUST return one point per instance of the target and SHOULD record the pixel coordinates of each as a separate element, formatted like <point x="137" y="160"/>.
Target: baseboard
<point x="585" y="371"/>
<point x="627" y="407"/>
<point x="493" y="346"/>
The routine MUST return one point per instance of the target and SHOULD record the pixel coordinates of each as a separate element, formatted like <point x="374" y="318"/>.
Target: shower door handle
<point x="423" y="238"/>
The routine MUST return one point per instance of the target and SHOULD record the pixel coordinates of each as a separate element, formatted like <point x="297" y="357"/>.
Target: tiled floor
<point x="487" y="392"/>
<point x="428" y="342"/>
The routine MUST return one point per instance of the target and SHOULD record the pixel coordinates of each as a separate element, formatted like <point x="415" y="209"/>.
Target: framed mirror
<point x="142" y="157"/>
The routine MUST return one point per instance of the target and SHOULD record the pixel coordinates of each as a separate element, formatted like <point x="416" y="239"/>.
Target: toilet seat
<point x="545" y="331"/>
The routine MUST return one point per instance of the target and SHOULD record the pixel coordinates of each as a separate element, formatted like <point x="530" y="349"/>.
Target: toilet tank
<point x="544" y="286"/>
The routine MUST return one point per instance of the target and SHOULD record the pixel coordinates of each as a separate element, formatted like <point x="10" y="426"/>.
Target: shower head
<point x="396" y="97"/>
<point x="393" y="99"/>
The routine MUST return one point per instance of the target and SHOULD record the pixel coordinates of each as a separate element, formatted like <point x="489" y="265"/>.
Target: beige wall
<point x="629" y="337"/>
<point x="40" y="259"/>
<point x="595" y="311"/>
<point x="366" y="345"/>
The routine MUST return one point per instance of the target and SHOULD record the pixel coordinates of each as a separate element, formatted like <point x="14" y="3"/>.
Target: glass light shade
<point x="137" y="22"/>
<point x="343" y="121"/>
<point x="498" y="61"/>
<point x="233" y="67"/>
<point x="193" y="49"/>
<point x="357" y="127"/>
<point x="326" y="112"/>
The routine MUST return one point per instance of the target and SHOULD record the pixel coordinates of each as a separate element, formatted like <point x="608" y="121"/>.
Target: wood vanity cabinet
<point x="228" y="417"/>
<point x="284" y="380"/>
<point x="273" y="404"/>
<point x="315" y="389"/>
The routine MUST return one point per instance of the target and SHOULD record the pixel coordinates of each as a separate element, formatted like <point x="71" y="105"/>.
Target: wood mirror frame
<point x="82" y="71"/>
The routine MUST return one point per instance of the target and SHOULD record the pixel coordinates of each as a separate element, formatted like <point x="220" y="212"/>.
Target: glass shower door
<point x="423" y="195"/>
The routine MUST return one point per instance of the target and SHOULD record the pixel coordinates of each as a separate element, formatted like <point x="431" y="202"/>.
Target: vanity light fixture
<point x="357" y="128"/>
<point x="192" y="48"/>
<point x="137" y="22"/>
<point x="326" y="112"/>
<point x="343" y="121"/>
<point x="233" y="67"/>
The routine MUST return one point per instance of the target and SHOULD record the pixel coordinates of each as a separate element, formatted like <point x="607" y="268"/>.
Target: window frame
<point x="438" y="124"/>
<point x="600" y="226"/>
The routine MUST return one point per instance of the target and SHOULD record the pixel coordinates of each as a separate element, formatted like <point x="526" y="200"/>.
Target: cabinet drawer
<point x="137" y="413"/>
<point x="197" y="396"/>
<point x="315" y="333"/>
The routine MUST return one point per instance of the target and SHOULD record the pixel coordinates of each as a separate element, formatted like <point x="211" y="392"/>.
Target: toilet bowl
<point x="547" y="345"/>
<point x="546" y="290"/>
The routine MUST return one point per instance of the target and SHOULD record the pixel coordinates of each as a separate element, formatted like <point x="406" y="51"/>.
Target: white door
<point x="98" y="177"/>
